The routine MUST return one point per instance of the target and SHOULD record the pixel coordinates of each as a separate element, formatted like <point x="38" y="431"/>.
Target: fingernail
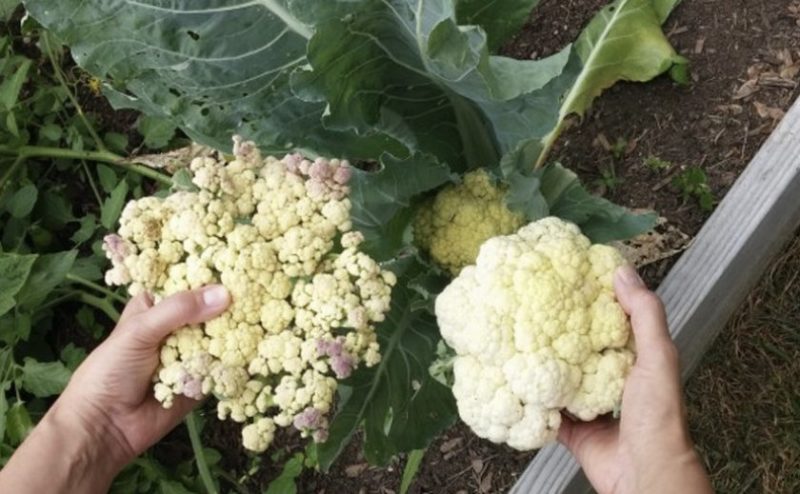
<point x="215" y="296"/>
<point x="628" y="275"/>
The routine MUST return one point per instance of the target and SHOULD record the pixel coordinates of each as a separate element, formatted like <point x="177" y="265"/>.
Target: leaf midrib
<point x="394" y="341"/>
<point x="596" y="49"/>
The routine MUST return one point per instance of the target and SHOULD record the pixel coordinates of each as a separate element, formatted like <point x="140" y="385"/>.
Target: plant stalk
<point x="102" y="304"/>
<point x="11" y="171"/>
<point x="232" y="481"/>
<point x="199" y="455"/>
<point x="549" y="141"/>
<point x="94" y="286"/>
<point x="98" y="156"/>
<point x="98" y="142"/>
<point x="90" y="179"/>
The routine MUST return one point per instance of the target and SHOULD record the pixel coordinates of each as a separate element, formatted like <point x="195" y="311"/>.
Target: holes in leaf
<point x="193" y="35"/>
<point x="205" y="111"/>
<point x="174" y="92"/>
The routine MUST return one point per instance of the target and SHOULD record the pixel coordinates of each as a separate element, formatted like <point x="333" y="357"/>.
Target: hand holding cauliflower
<point x="537" y="330"/>
<point x="277" y="234"/>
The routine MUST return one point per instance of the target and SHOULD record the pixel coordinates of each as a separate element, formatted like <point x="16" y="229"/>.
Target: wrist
<point x="65" y="452"/>
<point x="94" y="448"/>
<point x="683" y="472"/>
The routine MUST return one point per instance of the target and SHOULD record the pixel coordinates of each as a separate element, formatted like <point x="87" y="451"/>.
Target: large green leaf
<point x="600" y="220"/>
<point x="623" y="42"/>
<point x="557" y="191"/>
<point x="348" y="77"/>
<point x="452" y="81"/>
<point x="501" y="19"/>
<point x="14" y="272"/>
<point x="213" y="67"/>
<point x="382" y="200"/>
<point x="358" y="77"/>
<point x="401" y="407"/>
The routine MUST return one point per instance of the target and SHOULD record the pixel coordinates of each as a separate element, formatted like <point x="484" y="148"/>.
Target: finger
<point x="136" y="305"/>
<point x="648" y="319"/>
<point x="151" y="327"/>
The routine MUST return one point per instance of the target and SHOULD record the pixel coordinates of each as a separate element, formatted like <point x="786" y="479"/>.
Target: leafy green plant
<point x="359" y="78"/>
<point x="608" y="177"/>
<point x="56" y="202"/>
<point x="692" y="183"/>
<point x="285" y="482"/>
<point x="619" y="148"/>
<point x="656" y="164"/>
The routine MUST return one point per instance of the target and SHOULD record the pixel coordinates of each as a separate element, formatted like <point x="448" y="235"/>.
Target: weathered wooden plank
<point x="702" y="291"/>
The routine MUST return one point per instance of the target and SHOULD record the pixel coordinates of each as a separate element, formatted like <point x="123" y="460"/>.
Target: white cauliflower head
<point x="537" y="330"/>
<point x="305" y="299"/>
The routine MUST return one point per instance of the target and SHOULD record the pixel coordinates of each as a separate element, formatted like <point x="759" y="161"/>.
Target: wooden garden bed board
<point x="725" y="261"/>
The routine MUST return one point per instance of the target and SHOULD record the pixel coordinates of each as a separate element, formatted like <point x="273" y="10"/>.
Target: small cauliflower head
<point x="537" y="330"/>
<point x="452" y="227"/>
<point x="305" y="300"/>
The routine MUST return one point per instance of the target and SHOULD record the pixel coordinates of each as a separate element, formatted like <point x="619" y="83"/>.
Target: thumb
<point x="654" y="346"/>
<point x="151" y="327"/>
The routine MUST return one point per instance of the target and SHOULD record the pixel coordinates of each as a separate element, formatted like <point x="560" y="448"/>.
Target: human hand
<point x="114" y="384"/>
<point x="108" y="415"/>
<point x="649" y="448"/>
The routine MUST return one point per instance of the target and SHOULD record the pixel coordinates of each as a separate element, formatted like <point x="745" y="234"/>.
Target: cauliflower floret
<point x="259" y="435"/>
<point x="537" y="330"/>
<point x="305" y="300"/>
<point x="461" y="217"/>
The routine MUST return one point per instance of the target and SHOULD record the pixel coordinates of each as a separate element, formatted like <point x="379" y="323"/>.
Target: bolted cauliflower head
<point x="305" y="300"/>
<point x="537" y="330"/>
<point x="452" y="227"/>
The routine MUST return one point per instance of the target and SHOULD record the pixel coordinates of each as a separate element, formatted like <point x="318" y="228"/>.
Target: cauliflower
<point x="537" y="330"/>
<point x="452" y="227"/>
<point x="305" y="300"/>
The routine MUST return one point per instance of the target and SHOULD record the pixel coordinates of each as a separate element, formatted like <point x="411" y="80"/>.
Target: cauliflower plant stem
<point x="25" y="152"/>
<point x="537" y="330"/>
<point x="305" y="300"/>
